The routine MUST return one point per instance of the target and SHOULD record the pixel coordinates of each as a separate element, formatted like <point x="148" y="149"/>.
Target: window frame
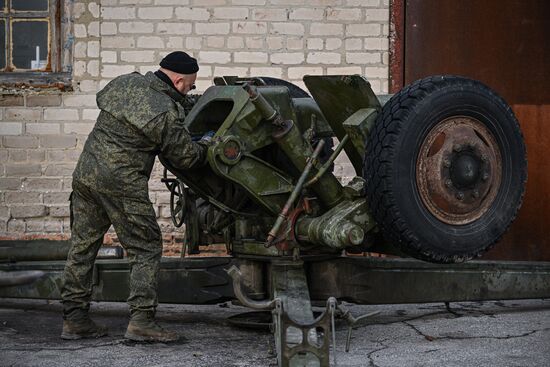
<point x="60" y="49"/>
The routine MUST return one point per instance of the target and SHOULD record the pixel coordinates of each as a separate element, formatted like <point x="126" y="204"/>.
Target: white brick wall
<point x="42" y="132"/>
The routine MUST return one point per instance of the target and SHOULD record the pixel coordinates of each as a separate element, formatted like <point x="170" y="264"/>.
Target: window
<point x="31" y="35"/>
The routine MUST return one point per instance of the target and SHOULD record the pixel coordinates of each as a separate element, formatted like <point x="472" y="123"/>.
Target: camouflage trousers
<point x="134" y="221"/>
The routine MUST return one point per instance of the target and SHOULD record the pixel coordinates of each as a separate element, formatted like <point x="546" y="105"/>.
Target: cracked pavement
<point x="498" y="333"/>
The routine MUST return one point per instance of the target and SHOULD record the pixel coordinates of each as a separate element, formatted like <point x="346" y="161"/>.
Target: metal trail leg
<point x="296" y="329"/>
<point x="300" y="339"/>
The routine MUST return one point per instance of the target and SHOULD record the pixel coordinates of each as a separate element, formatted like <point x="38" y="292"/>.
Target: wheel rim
<point x="177" y="203"/>
<point x="458" y="170"/>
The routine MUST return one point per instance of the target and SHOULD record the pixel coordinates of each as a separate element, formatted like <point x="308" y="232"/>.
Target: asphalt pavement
<point x="505" y="333"/>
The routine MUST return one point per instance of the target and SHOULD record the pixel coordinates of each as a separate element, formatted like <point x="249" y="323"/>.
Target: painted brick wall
<point x="42" y="132"/>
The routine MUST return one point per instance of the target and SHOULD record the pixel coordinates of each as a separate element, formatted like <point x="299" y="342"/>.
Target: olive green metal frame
<point x="361" y="280"/>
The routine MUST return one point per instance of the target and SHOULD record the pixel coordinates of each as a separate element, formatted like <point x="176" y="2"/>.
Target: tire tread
<point x="382" y="147"/>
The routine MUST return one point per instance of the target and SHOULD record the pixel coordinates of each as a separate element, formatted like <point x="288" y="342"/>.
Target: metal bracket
<point x="352" y="321"/>
<point x="294" y="338"/>
<point x="236" y="275"/>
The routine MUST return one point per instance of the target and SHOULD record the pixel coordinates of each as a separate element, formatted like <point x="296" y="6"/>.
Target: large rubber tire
<point x="395" y="169"/>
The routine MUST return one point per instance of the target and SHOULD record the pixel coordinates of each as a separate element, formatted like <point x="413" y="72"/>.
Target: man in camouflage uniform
<point x="141" y="117"/>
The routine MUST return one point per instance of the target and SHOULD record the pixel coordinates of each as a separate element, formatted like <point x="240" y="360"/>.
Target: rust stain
<point x="527" y="239"/>
<point x="397" y="45"/>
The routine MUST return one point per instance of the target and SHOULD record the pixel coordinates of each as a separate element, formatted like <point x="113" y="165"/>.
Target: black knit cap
<point x="180" y="62"/>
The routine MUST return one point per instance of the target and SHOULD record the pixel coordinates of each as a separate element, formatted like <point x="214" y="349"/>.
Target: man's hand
<point x="207" y="138"/>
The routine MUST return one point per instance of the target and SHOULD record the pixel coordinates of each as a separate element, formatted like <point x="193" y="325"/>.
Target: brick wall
<point x="43" y="131"/>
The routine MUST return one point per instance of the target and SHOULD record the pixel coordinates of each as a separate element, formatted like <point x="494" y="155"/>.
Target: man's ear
<point x="177" y="80"/>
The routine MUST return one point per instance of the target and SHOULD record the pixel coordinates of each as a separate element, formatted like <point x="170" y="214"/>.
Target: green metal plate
<point x="339" y="97"/>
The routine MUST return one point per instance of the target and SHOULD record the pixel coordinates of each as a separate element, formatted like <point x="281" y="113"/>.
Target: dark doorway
<point x="505" y="44"/>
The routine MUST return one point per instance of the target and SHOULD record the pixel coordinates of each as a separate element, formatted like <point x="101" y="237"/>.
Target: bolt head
<point x="356" y="236"/>
<point x="448" y="183"/>
<point x="485" y="176"/>
<point x="446" y="163"/>
<point x="460" y="195"/>
<point x="475" y="194"/>
<point x="457" y="147"/>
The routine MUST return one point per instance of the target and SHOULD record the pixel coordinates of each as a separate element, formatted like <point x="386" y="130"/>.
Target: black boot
<point x="78" y="325"/>
<point x="143" y="327"/>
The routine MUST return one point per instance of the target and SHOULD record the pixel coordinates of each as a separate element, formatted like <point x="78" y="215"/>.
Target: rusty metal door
<point x="505" y="44"/>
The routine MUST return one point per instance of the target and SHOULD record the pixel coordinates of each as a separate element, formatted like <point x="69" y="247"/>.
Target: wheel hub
<point x="465" y="170"/>
<point x="458" y="170"/>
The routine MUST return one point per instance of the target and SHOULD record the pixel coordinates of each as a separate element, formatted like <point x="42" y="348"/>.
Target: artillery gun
<point x="440" y="169"/>
<point x="440" y="175"/>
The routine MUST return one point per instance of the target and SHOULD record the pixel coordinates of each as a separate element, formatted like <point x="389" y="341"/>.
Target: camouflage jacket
<point x="141" y="117"/>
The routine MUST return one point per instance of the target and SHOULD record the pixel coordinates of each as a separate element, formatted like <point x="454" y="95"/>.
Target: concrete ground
<point x="508" y="333"/>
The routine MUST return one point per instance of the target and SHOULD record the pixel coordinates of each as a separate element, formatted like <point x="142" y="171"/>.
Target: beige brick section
<point x="230" y="13"/>
<point x="19" y="141"/>
<point x="150" y="42"/>
<point x="80" y="128"/>
<point x="212" y="28"/>
<point x="42" y="128"/>
<point x="110" y="71"/>
<point x="324" y="58"/>
<point x="137" y="56"/>
<point x="192" y="14"/>
<point x="251" y="57"/>
<point x="135" y="27"/>
<point x="11" y="100"/>
<point x="250" y="27"/>
<point x="78" y="100"/>
<point x="90" y="114"/>
<point x="171" y="2"/>
<point x="155" y="13"/>
<point x="299" y="72"/>
<point x="56" y="141"/>
<point x="214" y="57"/>
<point x="42" y="184"/>
<point x="93" y="29"/>
<point x="343" y="14"/>
<point x="42" y="132"/>
<point x="118" y="42"/>
<point x="249" y="2"/>
<point x="43" y="100"/>
<point x="28" y="211"/>
<point x="174" y="28"/>
<point x="118" y="12"/>
<point x="108" y="28"/>
<point x="307" y="14"/>
<point x="255" y="42"/>
<point x="287" y="58"/>
<point x="11" y="128"/>
<point x="363" y="30"/>
<point x="287" y="28"/>
<point x="23" y="114"/>
<point x="363" y="58"/>
<point x="321" y="29"/>
<point x="344" y="70"/>
<point x="267" y="71"/>
<point x="269" y="14"/>
<point x="108" y="57"/>
<point x="222" y="70"/>
<point x="61" y="114"/>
